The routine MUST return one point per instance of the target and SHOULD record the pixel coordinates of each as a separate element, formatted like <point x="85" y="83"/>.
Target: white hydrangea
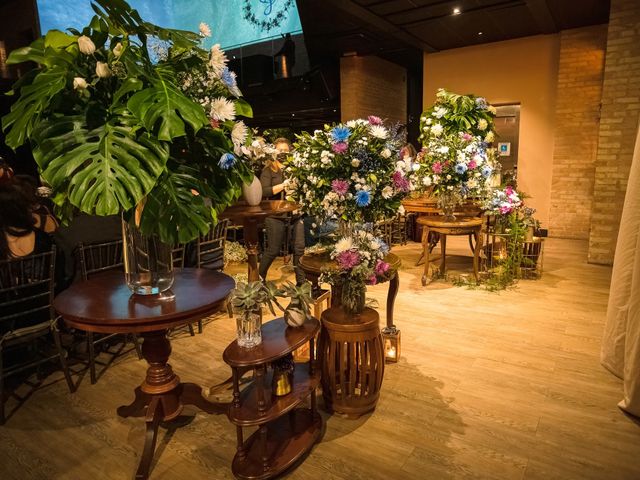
<point x="437" y="129"/>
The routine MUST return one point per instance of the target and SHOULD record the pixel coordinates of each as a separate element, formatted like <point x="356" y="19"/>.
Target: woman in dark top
<point x="273" y="185"/>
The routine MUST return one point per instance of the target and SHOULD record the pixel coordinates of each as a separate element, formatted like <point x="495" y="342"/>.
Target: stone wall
<point x="618" y="127"/>
<point x="370" y="85"/>
<point x="579" y="90"/>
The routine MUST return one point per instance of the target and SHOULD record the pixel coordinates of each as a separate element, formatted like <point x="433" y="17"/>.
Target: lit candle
<point x="391" y="352"/>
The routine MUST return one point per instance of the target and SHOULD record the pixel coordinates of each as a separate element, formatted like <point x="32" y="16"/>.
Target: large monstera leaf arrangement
<point x="112" y="126"/>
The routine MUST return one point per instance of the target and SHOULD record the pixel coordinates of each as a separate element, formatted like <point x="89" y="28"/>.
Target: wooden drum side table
<point x="285" y="432"/>
<point x="251" y="217"/>
<point x="351" y="356"/>
<point x="104" y="304"/>
<point x="459" y="226"/>
<point x="314" y="264"/>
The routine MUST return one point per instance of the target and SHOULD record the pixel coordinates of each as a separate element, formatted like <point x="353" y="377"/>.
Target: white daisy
<point x="205" y="31"/>
<point x="378" y="131"/>
<point x="387" y="192"/>
<point x="217" y="59"/>
<point x="239" y="136"/>
<point x="222" y="109"/>
<point x="343" y="245"/>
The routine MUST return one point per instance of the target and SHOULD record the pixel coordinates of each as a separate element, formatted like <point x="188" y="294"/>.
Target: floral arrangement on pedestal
<point x="350" y="172"/>
<point x="359" y="261"/>
<point x="125" y="113"/>
<point x="457" y="159"/>
<point x="512" y="229"/>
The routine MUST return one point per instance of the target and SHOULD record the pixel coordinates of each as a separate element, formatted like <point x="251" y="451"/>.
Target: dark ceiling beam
<point x="498" y="5"/>
<point x="361" y="13"/>
<point x="542" y="15"/>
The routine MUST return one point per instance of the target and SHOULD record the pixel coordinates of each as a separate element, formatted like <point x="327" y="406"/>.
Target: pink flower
<point x="348" y="259"/>
<point x="508" y="190"/>
<point x="341" y="187"/>
<point x="339" y="147"/>
<point x="505" y="209"/>
<point x="381" y="268"/>
<point x="372" y="279"/>
<point x="467" y="137"/>
<point x="400" y="182"/>
<point x="373" y="120"/>
<point x="437" y="167"/>
<point x="472" y="164"/>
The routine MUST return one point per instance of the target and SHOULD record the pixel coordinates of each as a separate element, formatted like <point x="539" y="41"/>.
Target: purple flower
<point x="348" y="259"/>
<point x="381" y="268"/>
<point x="341" y="187"/>
<point x="400" y="182"/>
<point x="372" y="280"/>
<point x="339" y="147"/>
<point x="373" y="120"/>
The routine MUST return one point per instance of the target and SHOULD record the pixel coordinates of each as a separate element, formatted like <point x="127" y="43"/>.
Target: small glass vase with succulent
<point x="359" y="261"/>
<point x="247" y="300"/>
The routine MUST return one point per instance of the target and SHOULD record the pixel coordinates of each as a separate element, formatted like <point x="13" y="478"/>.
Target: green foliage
<point x="250" y="297"/>
<point x="108" y="136"/>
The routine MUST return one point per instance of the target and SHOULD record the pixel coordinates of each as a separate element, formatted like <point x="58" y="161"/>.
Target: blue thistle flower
<point x="340" y="134"/>
<point x="486" y="171"/>
<point x="461" y="168"/>
<point x="228" y="78"/>
<point x="363" y="198"/>
<point x="481" y="103"/>
<point x="227" y="161"/>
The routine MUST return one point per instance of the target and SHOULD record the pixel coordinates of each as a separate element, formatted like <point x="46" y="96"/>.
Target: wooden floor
<point x="490" y="385"/>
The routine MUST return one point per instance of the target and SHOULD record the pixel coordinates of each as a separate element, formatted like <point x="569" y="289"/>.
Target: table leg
<point x="443" y="248"/>
<point x="250" y="226"/>
<point x="476" y="253"/>
<point x="162" y="396"/>
<point x="394" y="285"/>
<point x="424" y="241"/>
<point x="153" y="418"/>
<point x="425" y="253"/>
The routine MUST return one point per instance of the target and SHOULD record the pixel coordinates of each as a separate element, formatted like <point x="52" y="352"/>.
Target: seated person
<point x="273" y="185"/>
<point x="44" y="219"/>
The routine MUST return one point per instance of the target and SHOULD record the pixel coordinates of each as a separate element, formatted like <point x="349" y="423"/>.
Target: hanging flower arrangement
<point x="350" y="172"/>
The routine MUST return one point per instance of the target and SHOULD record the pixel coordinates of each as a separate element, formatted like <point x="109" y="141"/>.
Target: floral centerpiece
<point x="258" y="152"/>
<point x="350" y="172"/>
<point x="125" y="113"/>
<point x="452" y="114"/>
<point x="359" y="261"/>
<point x="457" y="158"/>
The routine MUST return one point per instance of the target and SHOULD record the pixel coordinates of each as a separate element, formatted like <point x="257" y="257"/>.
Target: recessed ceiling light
<point x="456" y="11"/>
<point x="479" y="33"/>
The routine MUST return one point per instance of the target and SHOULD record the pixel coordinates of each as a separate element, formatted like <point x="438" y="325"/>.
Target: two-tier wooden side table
<point x="286" y="431"/>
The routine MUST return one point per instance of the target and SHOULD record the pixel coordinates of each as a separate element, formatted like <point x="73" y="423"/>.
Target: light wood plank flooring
<point x="490" y="385"/>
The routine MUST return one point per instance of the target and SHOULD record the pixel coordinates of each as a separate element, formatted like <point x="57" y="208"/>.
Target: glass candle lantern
<point x="391" y="342"/>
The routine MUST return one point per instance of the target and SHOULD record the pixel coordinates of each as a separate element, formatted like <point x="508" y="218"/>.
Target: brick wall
<point x="372" y="86"/>
<point x="579" y="90"/>
<point x="618" y="127"/>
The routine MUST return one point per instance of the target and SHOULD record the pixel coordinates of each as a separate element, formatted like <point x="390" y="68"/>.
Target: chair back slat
<point x="26" y="290"/>
<point x="99" y="257"/>
<point x="210" y="247"/>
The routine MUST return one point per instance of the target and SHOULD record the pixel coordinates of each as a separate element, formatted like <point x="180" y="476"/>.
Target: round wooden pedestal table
<point x="251" y="217"/>
<point x="459" y="226"/>
<point x="104" y="304"/>
<point x="352" y="361"/>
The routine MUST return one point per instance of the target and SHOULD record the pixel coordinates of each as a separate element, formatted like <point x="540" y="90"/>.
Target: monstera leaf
<point x="164" y="110"/>
<point x="34" y="99"/>
<point x="174" y="203"/>
<point x="102" y="171"/>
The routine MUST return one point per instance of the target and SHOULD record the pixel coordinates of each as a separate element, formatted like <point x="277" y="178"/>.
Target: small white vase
<point x="295" y="317"/>
<point x="252" y="192"/>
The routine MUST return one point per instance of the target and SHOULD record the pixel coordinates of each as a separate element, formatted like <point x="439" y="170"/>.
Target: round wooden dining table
<point x="251" y="217"/>
<point x="104" y="304"/>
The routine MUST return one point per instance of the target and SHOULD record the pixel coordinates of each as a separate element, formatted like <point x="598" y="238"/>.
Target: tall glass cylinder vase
<point x="148" y="265"/>
<point x="448" y="201"/>
<point x="353" y="296"/>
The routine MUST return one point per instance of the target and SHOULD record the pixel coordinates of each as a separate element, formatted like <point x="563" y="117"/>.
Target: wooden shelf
<point x="278" y="339"/>
<point x="247" y="414"/>
<point x="288" y="439"/>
